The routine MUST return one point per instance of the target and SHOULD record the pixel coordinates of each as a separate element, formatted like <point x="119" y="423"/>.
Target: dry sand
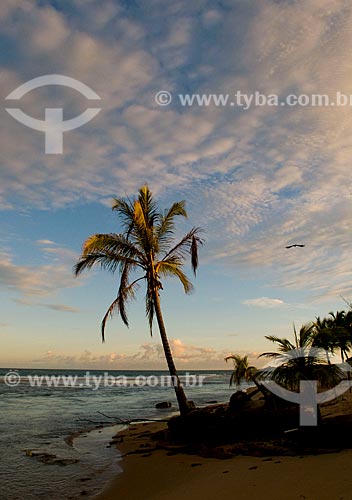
<point x="156" y="474"/>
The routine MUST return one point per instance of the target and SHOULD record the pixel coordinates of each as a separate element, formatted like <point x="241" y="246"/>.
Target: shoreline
<point x="157" y="474"/>
<point x="153" y="471"/>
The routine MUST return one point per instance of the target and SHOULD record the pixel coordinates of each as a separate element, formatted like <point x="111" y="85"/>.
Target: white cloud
<point x="49" y="31"/>
<point x="264" y="302"/>
<point x="45" y="242"/>
<point x="61" y="308"/>
<point x="33" y="281"/>
<point x="211" y="17"/>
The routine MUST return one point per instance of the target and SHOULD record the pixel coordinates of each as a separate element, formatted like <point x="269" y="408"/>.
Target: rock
<point x="211" y="402"/>
<point x="66" y="461"/>
<point x="164" y="404"/>
<point x="238" y="399"/>
<point x="220" y="453"/>
<point x="50" y="459"/>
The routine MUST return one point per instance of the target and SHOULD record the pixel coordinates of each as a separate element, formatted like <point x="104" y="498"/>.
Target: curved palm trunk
<point x="180" y="395"/>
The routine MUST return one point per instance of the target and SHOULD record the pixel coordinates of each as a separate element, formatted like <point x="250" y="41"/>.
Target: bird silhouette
<point x="295" y="245"/>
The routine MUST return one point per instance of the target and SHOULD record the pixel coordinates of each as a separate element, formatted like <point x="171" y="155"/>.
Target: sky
<point x="256" y="180"/>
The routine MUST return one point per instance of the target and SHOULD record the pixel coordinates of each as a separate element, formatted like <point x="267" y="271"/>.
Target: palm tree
<point x="322" y="337"/>
<point x="335" y="333"/>
<point x="340" y="325"/>
<point x="146" y="245"/>
<point x="242" y="371"/>
<point x="300" y="361"/>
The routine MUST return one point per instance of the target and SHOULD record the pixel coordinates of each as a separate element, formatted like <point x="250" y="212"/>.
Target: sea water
<point x="39" y="420"/>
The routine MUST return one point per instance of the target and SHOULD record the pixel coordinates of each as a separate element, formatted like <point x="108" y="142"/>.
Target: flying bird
<point x="295" y="245"/>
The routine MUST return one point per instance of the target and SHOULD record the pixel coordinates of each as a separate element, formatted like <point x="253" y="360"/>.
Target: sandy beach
<point x="156" y="474"/>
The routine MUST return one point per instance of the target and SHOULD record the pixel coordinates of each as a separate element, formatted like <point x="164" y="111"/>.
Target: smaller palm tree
<point x="323" y="338"/>
<point x="334" y="333"/>
<point x="242" y="371"/>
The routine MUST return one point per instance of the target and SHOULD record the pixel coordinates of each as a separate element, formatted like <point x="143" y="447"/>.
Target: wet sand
<point x="157" y="474"/>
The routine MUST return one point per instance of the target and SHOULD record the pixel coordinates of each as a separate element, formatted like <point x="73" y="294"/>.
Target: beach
<point x="160" y="474"/>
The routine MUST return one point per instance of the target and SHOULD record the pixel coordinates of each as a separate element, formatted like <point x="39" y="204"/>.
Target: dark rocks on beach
<point x="245" y="419"/>
<point x="65" y="461"/>
<point x="164" y="404"/>
<point x="238" y="399"/>
<point x="50" y="459"/>
<point x="116" y="440"/>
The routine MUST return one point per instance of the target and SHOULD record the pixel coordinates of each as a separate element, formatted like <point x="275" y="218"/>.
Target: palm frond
<point x="112" y="243"/>
<point x="126" y="292"/>
<point x="273" y="355"/>
<point x="236" y="358"/>
<point x="306" y="334"/>
<point x="110" y="252"/>
<point x="145" y="219"/>
<point x="194" y="254"/>
<point x="149" y="307"/>
<point x="148" y="206"/>
<point x="109" y="262"/>
<point x="184" y="246"/>
<point x="284" y="344"/>
<point x="172" y="267"/>
<point x="166" y="225"/>
<point x="124" y="209"/>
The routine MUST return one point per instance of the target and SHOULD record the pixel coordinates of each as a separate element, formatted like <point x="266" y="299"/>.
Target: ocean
<point x="41" y="409"/>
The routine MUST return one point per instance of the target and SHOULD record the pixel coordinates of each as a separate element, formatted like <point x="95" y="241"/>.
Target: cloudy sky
<point x="256" y="180"/>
